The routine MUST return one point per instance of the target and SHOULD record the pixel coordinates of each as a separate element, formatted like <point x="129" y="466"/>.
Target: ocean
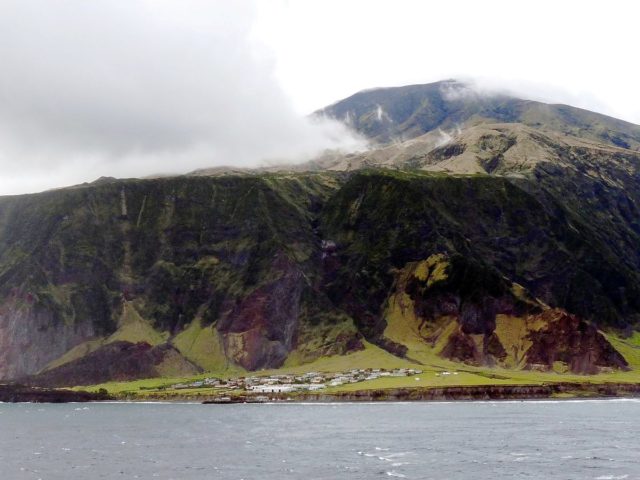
<point x="590" y="439"/>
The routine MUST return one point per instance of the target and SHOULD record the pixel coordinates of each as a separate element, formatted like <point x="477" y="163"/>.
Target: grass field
<point x="374" y="357"/>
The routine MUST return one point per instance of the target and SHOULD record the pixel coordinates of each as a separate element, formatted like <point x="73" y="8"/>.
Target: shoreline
<point x="11" y="393"/>
<point x="556" y="391"/>
<point x="16" y="393"/>
<point x="550" y="391"/>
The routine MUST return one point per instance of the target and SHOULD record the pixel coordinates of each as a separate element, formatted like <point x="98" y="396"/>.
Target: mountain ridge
<point x="376" y="113"/>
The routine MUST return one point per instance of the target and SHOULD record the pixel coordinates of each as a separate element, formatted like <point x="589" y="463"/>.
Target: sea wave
<point x="393" y="473"/>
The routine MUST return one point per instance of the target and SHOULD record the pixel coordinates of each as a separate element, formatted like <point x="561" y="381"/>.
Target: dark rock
<point x="117" y="361"/>
<point x="574" y="342"/>
<point x="12" y="393"/>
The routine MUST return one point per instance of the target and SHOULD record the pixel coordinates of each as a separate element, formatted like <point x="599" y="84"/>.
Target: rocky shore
<point x="490" y="392"/>
<point x="493" y="392"/>
<point x="13" y="393"/>
<point x="19" y="393"/>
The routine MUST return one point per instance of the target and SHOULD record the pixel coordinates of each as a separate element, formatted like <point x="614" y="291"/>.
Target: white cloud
<point x="581" y="52"/>
<point x="134" y="87"/>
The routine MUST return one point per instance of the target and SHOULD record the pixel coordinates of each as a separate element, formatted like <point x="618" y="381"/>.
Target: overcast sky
<point x="139" y="87"/>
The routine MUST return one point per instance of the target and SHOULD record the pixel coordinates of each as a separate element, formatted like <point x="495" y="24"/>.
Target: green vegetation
<point x="287" y="271"/>
<point x="368" y="357"/>
<point x="133" y="328"/>
<point x="628" y="347"/>
<point x="209" y="249"/>
<point x="202" y="345"/>
<point x="440" y="374"/>
<point x="416" y="109"/>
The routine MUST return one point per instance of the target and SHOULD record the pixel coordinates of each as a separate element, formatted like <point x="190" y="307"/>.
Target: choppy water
<point x="496" y="440"/>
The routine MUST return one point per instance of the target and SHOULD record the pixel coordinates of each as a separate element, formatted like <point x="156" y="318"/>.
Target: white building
<point x="271" y="388"/>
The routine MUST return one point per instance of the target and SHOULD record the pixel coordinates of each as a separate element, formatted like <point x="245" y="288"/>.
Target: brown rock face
<point x="574" y="342"/>
<point x="462" y="347"/>
<point x="260" y="331"/>
<point x="481" y="318"/>
<point x="555" y="336"/>
<point x="118" y="361"/>
<point x="471" y="292"/>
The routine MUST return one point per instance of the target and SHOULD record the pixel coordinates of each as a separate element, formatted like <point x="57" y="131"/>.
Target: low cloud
<point x="455" y="90"/>
<point x="134" y="87"/>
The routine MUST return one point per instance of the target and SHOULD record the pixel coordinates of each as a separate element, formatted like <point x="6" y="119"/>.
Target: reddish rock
<point x="117" y="361"/>
<point x="460" y="347"/>
<point x="260" y="331"/>
<point x="573" y="341"/>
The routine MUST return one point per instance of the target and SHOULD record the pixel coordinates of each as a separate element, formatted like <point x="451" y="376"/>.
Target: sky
<point x="138" y="87"/>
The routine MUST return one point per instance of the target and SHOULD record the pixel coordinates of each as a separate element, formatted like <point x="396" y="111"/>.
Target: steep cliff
<point x="465" y="311"/>
<point x="510" y="244"/>
<point x="150" y="261"/>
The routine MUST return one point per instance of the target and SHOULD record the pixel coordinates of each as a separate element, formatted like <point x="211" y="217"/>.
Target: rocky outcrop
<point x="14" y="393"/>
<point x="482" y="392"/>
<point x="573" y="342"/>
<point x="466" y="312"/>
<point x="462" y="347"/>
<point x="32" y="336"/>
<point x="260" y="331"/>
<point x="118" y="361"/>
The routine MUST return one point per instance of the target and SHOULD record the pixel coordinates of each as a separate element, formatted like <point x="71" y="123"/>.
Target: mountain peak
<point x="387" y="115"/>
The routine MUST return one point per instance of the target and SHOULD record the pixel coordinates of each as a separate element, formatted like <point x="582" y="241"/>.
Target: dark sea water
<point x="481" y="440"/>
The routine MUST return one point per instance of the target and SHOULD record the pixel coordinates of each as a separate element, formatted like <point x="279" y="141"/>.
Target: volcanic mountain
<point x="479" y="228"/>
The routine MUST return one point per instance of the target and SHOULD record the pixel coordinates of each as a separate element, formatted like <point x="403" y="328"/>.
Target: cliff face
<point x="508" y="244"/>
<point x="31" y="336"/>
<point x="225" y="269"/>
<point x="253" y="270"/>
<point x="119" y="361"/>
<point x="248" y="270"/>
<point x="467" y="312"/>
<point x="384" y="221"/>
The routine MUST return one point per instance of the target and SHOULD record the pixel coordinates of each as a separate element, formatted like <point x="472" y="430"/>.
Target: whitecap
<point x="392" y="473"/>
<point x="398" y="454"/>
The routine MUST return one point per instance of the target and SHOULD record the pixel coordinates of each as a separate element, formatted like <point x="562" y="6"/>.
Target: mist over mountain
<point x="213" y="210"/>
<point x="401" y="113"/>
<point x="479" y="229"/>
<point x="143" y="89"/>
